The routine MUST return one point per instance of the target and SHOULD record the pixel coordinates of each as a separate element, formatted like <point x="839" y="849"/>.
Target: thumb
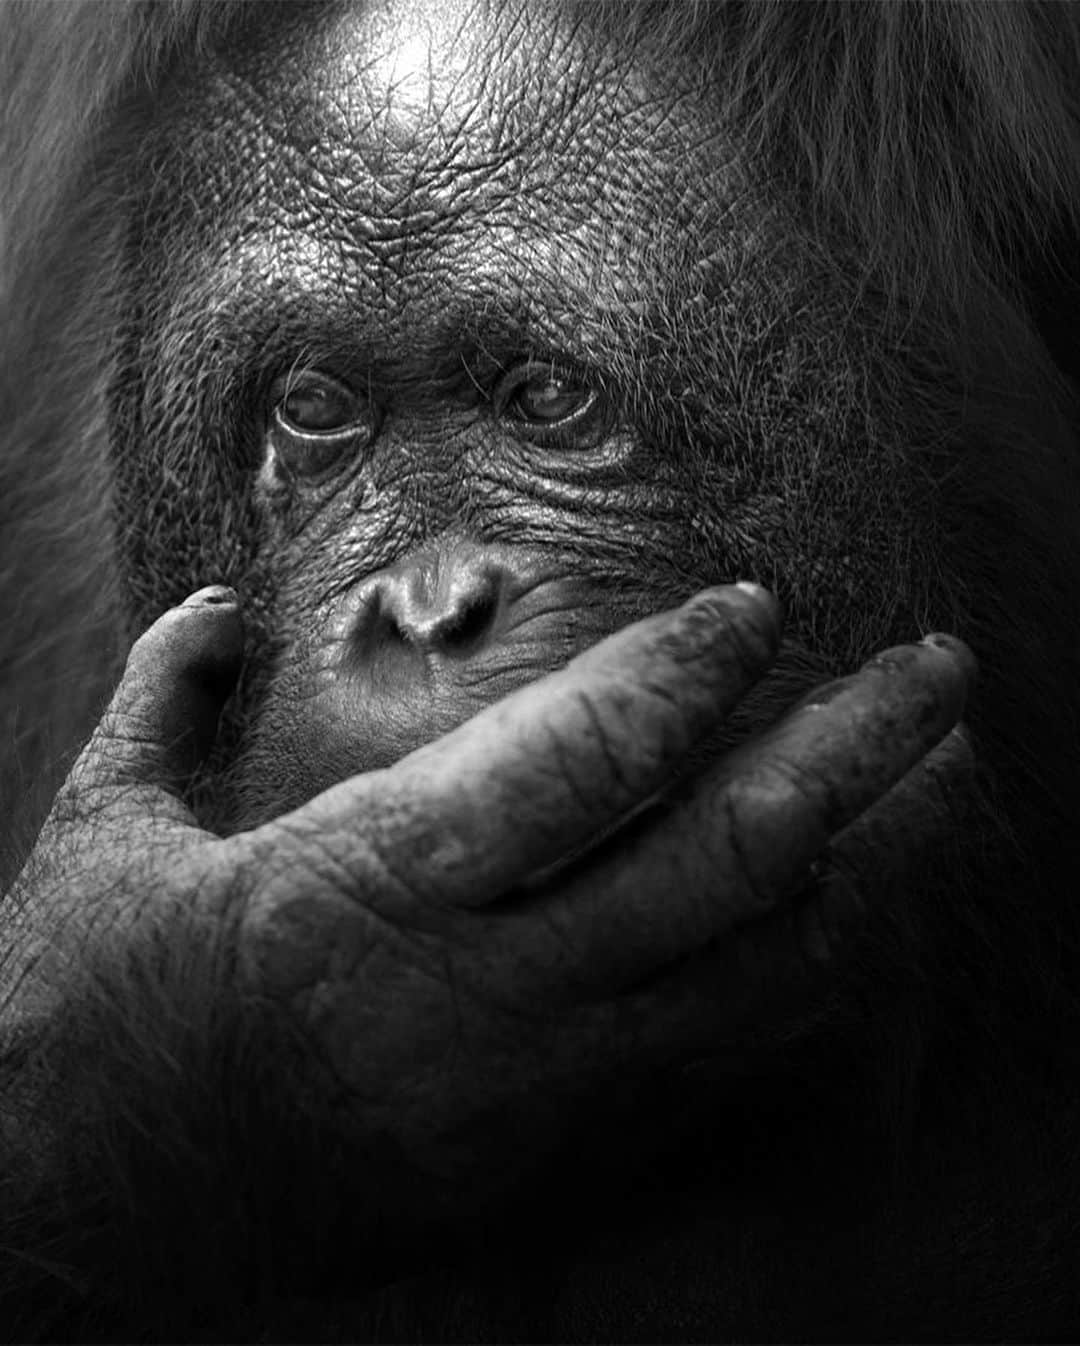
<point x="163" y="717"/>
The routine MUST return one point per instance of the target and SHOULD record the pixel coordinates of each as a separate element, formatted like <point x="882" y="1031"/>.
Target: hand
<point x="515" y="910"/>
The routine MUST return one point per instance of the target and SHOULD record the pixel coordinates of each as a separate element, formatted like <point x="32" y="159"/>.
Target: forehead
<point x="406" y="161"/>
<point x="460" y="96"/>
<point x="396" y="117"/>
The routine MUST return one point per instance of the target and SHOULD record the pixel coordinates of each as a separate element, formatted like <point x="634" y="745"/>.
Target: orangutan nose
<point x="438" y="602"/>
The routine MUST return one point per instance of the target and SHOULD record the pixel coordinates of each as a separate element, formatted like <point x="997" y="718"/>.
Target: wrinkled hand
<point x="463" y="930"/>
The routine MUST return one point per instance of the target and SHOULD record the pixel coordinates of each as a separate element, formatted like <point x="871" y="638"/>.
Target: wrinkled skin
<point x="494" y="832"/>
<point x="436" y="990"/>
<point x="462" y="994"/>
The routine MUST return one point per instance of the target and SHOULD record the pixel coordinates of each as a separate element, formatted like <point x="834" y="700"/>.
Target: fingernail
<point x="214" y="595"/>
<point x="764" y="601"/>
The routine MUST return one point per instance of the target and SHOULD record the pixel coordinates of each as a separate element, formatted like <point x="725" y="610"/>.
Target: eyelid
<point x="360" y="426"/>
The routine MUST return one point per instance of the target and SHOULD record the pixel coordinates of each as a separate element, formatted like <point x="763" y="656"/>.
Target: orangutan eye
<point x="315" y="420"/>
<point x="315" y="404"/>
<point x="548" y="399"/>
<point x="551" y="400"/>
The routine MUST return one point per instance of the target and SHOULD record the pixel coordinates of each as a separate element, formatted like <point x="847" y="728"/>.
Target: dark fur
<point x="937" y="148"/>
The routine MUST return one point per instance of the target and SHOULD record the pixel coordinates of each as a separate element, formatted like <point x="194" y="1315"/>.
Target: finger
<point x="748" y="987"/>
<point x="163" y="717"/>
<point x="533" y="777"/>
<point x="756" y="986"/>
<point x="924" y="818"/>
<point x="741" y="842"/>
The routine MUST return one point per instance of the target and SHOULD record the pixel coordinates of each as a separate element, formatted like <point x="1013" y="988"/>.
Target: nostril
<point x="422" y="610"/>
<point x="380" y="623"/>
<point x="469" y="623"/>
<point x="392" y="631"/>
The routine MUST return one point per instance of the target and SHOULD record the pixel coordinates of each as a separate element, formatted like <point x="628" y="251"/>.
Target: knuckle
<point x="619" y="746"/>
<point x="610" y="737"/>
<point x="778" y="815"/>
